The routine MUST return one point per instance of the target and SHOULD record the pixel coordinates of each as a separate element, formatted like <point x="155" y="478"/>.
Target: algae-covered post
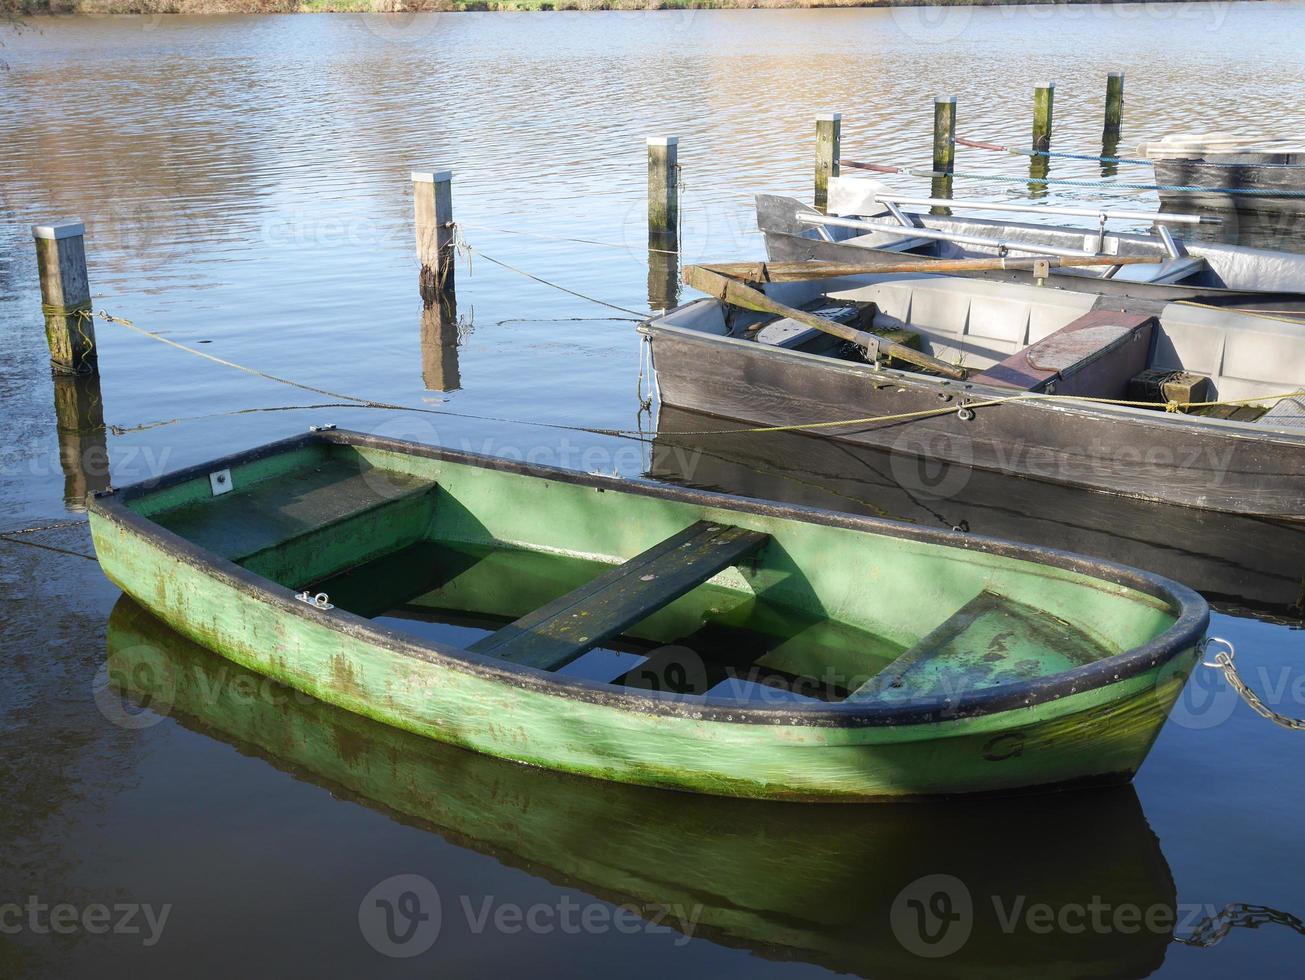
<point x="829" y="134"/>
<point x="432" y="196"/>
<point x="66" y="295"/>
<point x="1114" y="103"/>
<point x="1044" y="98"/>
<point x="944" y="134"/>
<point x="663" y="185"/>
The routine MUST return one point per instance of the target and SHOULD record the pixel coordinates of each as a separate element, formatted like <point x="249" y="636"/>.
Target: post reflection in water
<point x="871" y="890"/>
<point x="79" y="423"/>
<point x="1109" y="148"/>
<point x="1251" y="563"/>
<point x="1039" y="168"/>
<point x="439" y="344"/>
<point x="941" y="186"/>
<point x="663" y="270"/>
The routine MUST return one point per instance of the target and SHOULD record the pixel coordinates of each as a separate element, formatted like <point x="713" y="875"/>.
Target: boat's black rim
<point x="1184" y="635"/>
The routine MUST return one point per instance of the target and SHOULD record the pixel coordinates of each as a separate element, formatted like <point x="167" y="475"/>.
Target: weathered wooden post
<point x="944" y="134"/>
<point x="1044" y="99"/>
<point x="663" y="185"/>
<point x="66" y="296"/>
<point x="432" y="196"/>
<point x="1114" y="103"/>
<point x="829" y="138"/>
<point x="663" y="222"/>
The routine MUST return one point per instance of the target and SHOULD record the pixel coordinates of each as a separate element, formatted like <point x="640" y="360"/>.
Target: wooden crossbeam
<point x="555" y="634"/>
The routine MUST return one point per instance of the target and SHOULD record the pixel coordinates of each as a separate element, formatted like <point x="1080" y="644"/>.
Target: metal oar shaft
<point x="797" y="271"/>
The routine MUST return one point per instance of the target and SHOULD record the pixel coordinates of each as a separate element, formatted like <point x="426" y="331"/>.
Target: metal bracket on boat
<point x="319" y="601"/>
<point x="220" y="482"/>
<point x="965" y="413"/>
<point x="1041" y="270"/>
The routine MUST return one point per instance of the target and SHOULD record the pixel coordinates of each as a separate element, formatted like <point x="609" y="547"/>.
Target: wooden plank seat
<point x="1095" y="355"/>
<point x="559" y="632"/>
<point x="991" y="640"/>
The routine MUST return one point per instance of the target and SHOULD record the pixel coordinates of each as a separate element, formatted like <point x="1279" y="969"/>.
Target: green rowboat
<point x="651" y="634"/>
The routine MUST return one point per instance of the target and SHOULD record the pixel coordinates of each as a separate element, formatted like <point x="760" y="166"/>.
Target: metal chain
<point x="1211" y="930"/>
<point x="1223" y="660"/>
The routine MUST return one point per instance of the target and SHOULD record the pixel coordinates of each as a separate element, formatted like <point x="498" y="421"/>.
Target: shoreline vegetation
<point x="23" y="8"/>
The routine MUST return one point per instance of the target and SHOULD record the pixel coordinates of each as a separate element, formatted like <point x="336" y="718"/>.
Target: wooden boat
<point x="866" y="660"/>
<point x="1223" y="172"/>
<point x="1248" y="565"/>
<point x="1029" y="358"/>
<point x="728" y="870"/>
<point x="860" y="227"/>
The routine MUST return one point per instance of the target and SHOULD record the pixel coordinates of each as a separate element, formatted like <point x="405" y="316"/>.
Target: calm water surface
<point x="245" y="185"/>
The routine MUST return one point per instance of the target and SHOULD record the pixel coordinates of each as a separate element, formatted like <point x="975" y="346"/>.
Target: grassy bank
<point x="35" y="7"/>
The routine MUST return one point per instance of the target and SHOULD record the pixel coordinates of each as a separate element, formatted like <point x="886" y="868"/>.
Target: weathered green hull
<point x="1091" y="725"/>
<point x="787" y="883"/>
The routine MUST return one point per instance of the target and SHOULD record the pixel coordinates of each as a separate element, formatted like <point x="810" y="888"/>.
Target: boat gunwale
<point x="1196" y="248"/>
<point x="1192" y="613"/>
<point x="1061" y="403"/>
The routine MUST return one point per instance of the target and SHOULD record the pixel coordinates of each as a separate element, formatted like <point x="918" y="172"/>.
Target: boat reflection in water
<point x="859" y="889"/>
<point x="1254" y="564"/>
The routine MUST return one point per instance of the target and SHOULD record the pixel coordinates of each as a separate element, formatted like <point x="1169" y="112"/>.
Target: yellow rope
<point x="1172" y="406"/>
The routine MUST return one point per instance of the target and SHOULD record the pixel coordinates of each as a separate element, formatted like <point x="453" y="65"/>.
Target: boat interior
<point x="668" y="591"/>
<point x="1033" y="338"/>
<point x="1183" y="260"/>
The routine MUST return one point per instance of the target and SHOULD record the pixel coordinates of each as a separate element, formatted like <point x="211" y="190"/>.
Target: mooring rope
<point x="1223" y="660"/>
<point x="1017" y="151"/>
<point x="15" y="537"/>
<point x="355" y="401"/>
<point x="640" y="314"/>
<point x="476" y="226"/>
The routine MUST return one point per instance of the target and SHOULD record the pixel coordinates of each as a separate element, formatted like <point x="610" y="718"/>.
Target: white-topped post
<point x="432" y="196"/>
<point x="829" y="137"/>
<point x="663" y="186"/>
<point x="66" y="295"/>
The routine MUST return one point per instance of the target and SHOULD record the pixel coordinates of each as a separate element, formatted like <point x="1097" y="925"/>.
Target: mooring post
<point x="1114" y="103"/>
<point x="432" y="196"/>
<point x="663" y="185"/>
<point x="944" y="134"/>
<point x="66" y="296"/>
<point x="829" y="138"/>
<point x="1044" y="99"/>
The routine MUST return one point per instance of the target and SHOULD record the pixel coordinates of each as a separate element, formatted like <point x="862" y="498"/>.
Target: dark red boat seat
<point x="1095" y="355"/>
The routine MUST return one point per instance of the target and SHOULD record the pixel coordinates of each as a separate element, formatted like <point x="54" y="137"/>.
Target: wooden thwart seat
<point x="555" y="634"/>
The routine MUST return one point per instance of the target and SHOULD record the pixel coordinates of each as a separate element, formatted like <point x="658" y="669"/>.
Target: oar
<point x="713" y="282"/>
<point x="794" y="271"/>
